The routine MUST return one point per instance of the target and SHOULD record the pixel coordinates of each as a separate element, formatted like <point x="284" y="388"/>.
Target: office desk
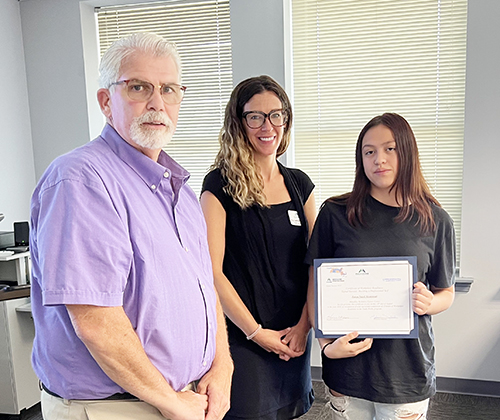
<point x="18" y="382"/>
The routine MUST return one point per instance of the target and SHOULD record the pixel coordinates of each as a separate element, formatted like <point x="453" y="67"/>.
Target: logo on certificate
<point x="340" y="271"/>
<point x="337" y="275"/>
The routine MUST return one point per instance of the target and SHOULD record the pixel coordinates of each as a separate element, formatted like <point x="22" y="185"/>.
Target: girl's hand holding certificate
<point x="421" y="299"/>
<point x="344" y="347"/>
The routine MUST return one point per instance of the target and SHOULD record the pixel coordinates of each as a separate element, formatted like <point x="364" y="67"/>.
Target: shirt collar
<point x="151" y="172"/>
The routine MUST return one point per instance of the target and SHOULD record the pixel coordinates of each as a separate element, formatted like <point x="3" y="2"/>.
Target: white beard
<point x="151" y="138"/>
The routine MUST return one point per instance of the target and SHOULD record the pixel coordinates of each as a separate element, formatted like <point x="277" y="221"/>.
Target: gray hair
<point x="121" y="49"/>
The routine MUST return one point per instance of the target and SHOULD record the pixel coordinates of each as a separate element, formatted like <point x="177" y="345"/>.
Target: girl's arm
<point x="341" y="347"/>
<point x="431" y="302"/>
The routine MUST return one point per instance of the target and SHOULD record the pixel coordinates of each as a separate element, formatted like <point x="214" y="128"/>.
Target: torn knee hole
<point x="337" y="409"/>
<point x="409" y="416"/>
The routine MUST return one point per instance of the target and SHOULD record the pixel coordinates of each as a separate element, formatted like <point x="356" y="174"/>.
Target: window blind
<point x="201" y="31"/>
<point x="353" y="60"/>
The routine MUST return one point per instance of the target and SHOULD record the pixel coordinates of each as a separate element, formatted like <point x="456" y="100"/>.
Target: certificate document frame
<point x="370" y="295"/>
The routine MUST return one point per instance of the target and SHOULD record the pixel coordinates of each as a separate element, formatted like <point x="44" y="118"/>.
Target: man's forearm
<point x="216" y="384"/>
<point x="113" y="343"/>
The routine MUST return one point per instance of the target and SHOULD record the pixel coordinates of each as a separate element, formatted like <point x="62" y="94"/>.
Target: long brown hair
<point x="409" y="187"/>
<point x="235" y="158"/>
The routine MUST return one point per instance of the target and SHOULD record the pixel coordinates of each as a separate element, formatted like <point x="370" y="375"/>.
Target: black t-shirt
<point x="393" y="371"/>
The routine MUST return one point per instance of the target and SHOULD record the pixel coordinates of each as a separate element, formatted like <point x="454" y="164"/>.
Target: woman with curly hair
<point x="390" y="212"/>
<point x="258" y="215"/>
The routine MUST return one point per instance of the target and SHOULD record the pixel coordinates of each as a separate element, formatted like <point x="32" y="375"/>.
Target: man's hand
<point x="188" y="406"/>
<point x="216" y="385"/>
<point x="111" y="340"/>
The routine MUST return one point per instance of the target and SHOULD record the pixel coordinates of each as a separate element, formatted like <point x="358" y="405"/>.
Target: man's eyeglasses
<point x="256" y="119"/>
<point x="141" y="91"/>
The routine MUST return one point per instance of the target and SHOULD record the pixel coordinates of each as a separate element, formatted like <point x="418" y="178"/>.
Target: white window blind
<point x="353" y="60"/>
<point x="201" y="31"/>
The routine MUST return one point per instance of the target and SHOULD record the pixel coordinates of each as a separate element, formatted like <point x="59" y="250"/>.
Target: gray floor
<point x="319" y="402"/>
<point x="443" y="407"/>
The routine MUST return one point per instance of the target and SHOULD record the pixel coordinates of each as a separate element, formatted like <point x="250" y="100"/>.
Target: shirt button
<point x="166" y="175"/>
<point x="186" y="249"/>
<point x="204" y="363"/>
<point x="153" y="187"/>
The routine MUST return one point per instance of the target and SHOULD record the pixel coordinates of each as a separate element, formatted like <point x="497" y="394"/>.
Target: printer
<point x="6" y="237"/>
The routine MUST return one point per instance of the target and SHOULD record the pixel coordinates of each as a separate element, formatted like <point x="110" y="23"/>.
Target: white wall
<point x="468" y="335"/>
<point x="17" y="177"/>
<point x="257" y="39"/>
<point x="55" y="71"/>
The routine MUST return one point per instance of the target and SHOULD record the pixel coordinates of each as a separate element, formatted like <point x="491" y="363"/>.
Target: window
<point x="353" y="60"/>
<point x="201" y="30"/>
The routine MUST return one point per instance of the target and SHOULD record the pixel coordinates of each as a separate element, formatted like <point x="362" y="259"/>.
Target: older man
<point x="126" y="315"/>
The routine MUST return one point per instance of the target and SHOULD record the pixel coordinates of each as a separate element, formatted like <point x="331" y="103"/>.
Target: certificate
<point x="370" y="295"/>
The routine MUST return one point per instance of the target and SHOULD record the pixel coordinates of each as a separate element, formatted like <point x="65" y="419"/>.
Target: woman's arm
<point x="310" y="212"/>
<point x="233" y="306"/>
<point x="296" y="338"/>
<point x="311" y="307"/>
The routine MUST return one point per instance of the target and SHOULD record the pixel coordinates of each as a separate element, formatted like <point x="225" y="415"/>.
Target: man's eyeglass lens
<point x="256" y="119"/>
<point x="141" y="91"/>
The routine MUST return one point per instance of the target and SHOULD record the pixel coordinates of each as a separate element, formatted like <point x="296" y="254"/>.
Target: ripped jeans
<point x="351" y="408"/>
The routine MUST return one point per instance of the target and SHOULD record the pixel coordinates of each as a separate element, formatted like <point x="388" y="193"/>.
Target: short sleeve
<point x="82" y="252"/>
<point x="304" y="183"/>
<point x="442" y="271"/>
<point x="214" y="183"/>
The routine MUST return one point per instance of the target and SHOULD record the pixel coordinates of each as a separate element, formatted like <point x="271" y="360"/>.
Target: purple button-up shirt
<point x="111" y="227"/>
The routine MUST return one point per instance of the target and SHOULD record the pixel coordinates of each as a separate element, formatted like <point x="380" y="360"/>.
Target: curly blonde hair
<point x="235" y="158"/>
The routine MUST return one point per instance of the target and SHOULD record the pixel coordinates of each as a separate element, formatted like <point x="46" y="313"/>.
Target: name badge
<point x="294" y="218"/>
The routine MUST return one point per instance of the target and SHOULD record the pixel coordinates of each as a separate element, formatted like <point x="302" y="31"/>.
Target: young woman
<point x="258" y="215"/>
<point x="390" y="212"/>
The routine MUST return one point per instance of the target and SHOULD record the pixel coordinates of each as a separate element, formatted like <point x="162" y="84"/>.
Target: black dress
<point x="263" y="260"/>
